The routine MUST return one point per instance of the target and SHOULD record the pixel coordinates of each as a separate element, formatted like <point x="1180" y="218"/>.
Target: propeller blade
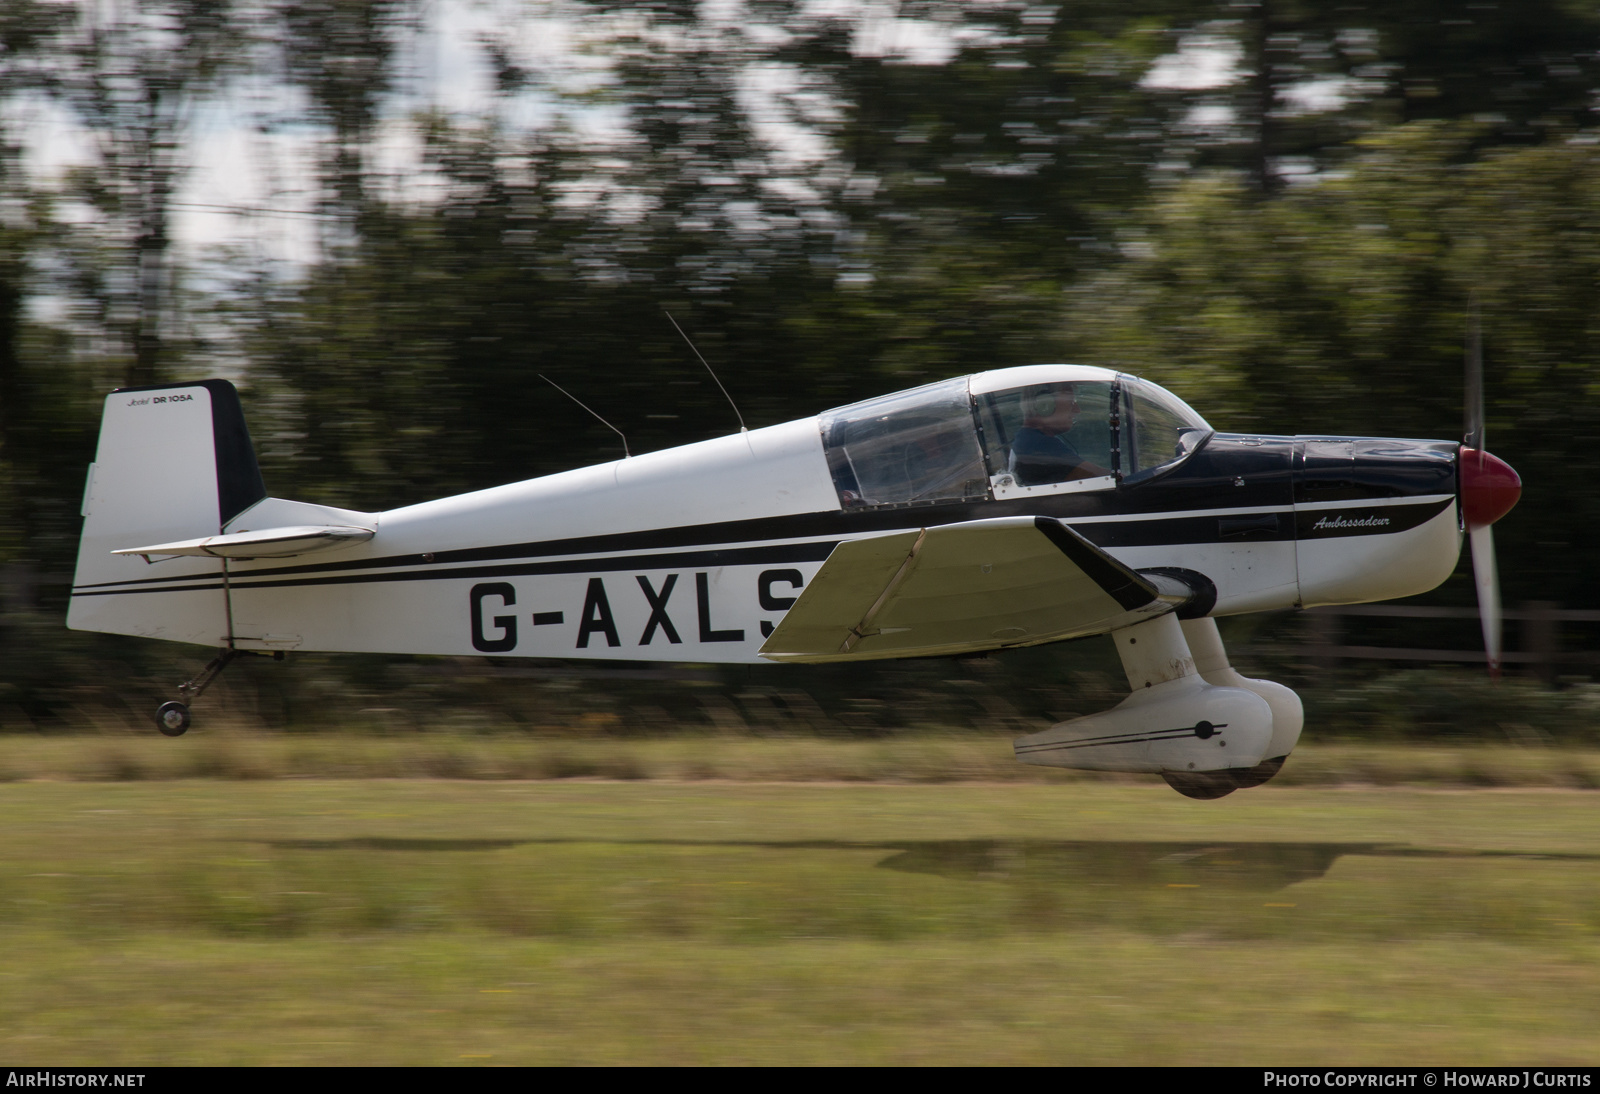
<point x="1487" y="579"/>
<point x="1474" y="431"/>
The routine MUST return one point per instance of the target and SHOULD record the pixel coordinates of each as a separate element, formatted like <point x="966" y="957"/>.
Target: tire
<point x="1260" y="773"/>
<point x="172" y="719"/>
<point x="1204" y="785"/>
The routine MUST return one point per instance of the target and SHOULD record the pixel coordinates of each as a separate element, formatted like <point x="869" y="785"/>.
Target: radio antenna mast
<point x="703" y="361"/>
<point x="625" y="453"/>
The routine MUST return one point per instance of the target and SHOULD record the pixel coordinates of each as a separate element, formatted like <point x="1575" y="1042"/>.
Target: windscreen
<point x="1164" y="429"/>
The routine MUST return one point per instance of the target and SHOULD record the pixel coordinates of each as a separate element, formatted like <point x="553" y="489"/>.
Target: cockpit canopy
<point x="1009" y="433"/>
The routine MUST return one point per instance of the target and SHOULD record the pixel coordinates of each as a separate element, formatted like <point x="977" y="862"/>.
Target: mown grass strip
<point x="1085" y="997"/>
<point x="757" y="864"/>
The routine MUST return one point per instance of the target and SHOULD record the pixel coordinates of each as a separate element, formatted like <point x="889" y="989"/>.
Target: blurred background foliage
<point x="1291" y="243"/>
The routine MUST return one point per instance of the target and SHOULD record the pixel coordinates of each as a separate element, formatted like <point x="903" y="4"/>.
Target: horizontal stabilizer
<point x="979" y="585"/>
<point x="300" y="539"/>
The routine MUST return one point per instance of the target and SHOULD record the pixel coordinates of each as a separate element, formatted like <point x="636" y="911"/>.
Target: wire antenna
<point x="625" y="453"/>
<point x="703" y="361"/>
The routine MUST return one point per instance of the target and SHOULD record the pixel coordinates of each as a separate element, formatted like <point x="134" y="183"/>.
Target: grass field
<point x="506" y="922"/>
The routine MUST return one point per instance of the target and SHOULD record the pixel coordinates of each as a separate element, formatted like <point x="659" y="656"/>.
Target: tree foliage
<point x="1343" y="308"/>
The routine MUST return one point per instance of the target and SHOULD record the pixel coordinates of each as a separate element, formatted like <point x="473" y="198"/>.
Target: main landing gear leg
<point x="1288" y="716"/>
<point x="1196" y="734"/>
<point x="172" y="718"/>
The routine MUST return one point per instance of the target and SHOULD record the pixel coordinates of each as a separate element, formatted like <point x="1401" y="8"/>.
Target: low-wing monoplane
<point x="1008" y="508"/>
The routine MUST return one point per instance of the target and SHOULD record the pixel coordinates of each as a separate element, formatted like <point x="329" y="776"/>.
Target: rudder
<point x="173" y="462"/>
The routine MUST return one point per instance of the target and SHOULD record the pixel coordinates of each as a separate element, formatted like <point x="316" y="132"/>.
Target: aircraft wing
<point x="266" y="543"/>
<point x="980" y="585"/>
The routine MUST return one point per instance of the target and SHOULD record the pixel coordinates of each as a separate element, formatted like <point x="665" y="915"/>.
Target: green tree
<point x="1342" y="308"/>
<point x="41" y="401"/>
<point x="133" y="77"/>
<point x="343" y="53"/>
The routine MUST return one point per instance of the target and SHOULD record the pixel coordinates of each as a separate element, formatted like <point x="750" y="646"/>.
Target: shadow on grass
<point x="1260" y="866"/>
<point x="386" y="843"/>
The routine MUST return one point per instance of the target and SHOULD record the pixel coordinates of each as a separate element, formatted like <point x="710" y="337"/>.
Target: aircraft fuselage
<point x="695" y="553"/>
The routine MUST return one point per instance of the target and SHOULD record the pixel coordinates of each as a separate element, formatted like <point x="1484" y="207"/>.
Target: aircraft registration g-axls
<point x="1008" y="508"/>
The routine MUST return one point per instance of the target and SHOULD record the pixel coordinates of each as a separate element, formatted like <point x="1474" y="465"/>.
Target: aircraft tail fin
<point x="174" y="462"/>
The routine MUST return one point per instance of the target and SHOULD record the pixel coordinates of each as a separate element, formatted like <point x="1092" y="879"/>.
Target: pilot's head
<point x="1050" y="408"/>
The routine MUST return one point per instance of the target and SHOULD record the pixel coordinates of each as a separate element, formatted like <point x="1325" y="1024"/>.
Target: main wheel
<point x="1204" y="785"/>
<point x="1260" y="773"/>
<point x="172" y="718"/>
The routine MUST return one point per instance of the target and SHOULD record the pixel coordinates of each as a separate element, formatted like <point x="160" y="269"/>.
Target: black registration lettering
<point x="702" y="595"/>
<point x="658" y="610"/>
<point x="507" y="623"/>
<point x="597" y="616"/>
<point x="771" y="602"/>
<point x="768" y="579"/>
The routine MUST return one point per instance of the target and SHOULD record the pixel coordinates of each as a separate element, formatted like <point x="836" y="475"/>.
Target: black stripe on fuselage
<point x="739" y="556"/>
<point x="1225" y="527"/>
<point x="1220" y="528"/>
<point x="835" y="525"/>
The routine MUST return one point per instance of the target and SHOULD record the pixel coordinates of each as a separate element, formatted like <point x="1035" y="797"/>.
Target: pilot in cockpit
<point x="1041" y="452"/>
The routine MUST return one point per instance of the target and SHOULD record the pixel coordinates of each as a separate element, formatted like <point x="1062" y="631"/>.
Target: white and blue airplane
<point x="1008" y="508"/>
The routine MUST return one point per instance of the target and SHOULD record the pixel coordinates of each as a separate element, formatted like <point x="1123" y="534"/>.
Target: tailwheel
<point x="1204" y="785"/>
<point x="172" y="718"/>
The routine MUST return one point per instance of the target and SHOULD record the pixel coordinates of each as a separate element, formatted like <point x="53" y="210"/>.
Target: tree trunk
<point x="1262" y="85"/>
